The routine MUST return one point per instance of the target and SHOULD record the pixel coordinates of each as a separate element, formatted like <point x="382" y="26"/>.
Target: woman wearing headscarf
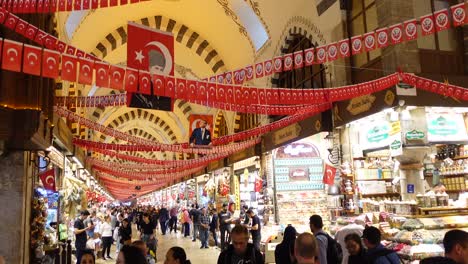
<point x="284" y="252"/>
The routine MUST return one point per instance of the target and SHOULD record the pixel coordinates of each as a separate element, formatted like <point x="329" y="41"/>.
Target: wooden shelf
<point x="380" y="194"/>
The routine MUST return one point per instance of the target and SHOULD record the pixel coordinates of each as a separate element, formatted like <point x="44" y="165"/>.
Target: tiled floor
<point x="195" y="254"/>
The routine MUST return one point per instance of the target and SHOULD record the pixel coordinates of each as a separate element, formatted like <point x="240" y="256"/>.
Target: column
<point x="15" y="194"/>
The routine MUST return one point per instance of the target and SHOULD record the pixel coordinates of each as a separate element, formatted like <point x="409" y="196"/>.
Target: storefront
<point x="394" y="151"/>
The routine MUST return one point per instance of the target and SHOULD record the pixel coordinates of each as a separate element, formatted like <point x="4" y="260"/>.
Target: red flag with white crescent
<point x="48" y="179"/>
<point x="69" y="69"/>
<point x="50" y="64"/>
<point x="32" y="60"/>
<point x="12" y="55"/>
<point x="86" y="71"/>
<point x="329" y="174"/>
<point x="102" y="74"/>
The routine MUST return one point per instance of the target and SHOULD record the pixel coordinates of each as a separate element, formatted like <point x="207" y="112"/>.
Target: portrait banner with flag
<point x="329" y="174"/>
<point x="150" y="50"/>
<point x="48" y="179"/>
<point x="195" y="122"/>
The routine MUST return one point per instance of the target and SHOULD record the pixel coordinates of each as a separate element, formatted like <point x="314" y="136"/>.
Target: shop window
<point x="364" y="19"/>
<point x="306" y="77"/>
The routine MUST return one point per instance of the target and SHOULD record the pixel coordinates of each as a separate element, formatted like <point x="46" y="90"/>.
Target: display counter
<point x="412" y="238"/>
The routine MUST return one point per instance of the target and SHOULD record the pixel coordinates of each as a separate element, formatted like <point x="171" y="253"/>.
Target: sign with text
<point x="442" y="127"/>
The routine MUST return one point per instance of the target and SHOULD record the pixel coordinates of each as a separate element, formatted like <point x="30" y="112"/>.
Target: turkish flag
<point x="230" y="93"/>
<point x="102" y="74"/>
<point x="104" y="3"/>
<point x="11" y="21"/>
<point x="249" y="73"/>
<point x="50" y="64"/>
<point x="181" y="89"/>
<point x="85" y="5"/>
<point x="427" y="24"/>
<point x="71" y="50"/>
<point x="192" y="90"/>
<point x="47" y="5"/>
<point x="288" y="62"/>
<point x="32" y="60"/>
<point x="50" y="42"/>
<point x="441" y="18"/>
<point x="113" y="2"/>
<point x="86" y="71"/>
<point x="61" y="46"/>
<point x="79" y="53"/>
<point x="3" y="14"/>
<point x="69" y="5"/>
<point x="278" y="64"/>
<point x="20" y="7"/>
<point x="356" y="44"/>
<point x="62" y="6"/>
<point x="53" y="6"/>
<point x="211" y="90"/>
<point x="94" y="4"/>
<point x="382" y="37"/>
<point x="396" y="33"/>
<point x="170" y="87"/>
<point x="309" y="56"/>
<point x="246" y="98"/>
<point x="12" y="55"/>
<point x="369" y="41"/>
<point x="238" y="95"/>
<point x="150" y="49"/>
<point x="254" y="95"/>
<point x="221" y="93"/>
<point x="321" y="54"/>
<point x="77" y="5"/>
<point x="268" y="67"/>
<point x="40" y="37"/>
<point x="40" y="6"/>
<point x="332" y="51"/>
<point x="48" y="179"/>
<point x="144" y="82"/>
<point x="131" y="80"/>
<point x="159" y="84"/>
<point x="21" y="27"/>
<point x="459" y="16"/>
<point x="202" y="95"/>
<point x="31" y="32"/>
<point x="69" y="67"/>
<point x="298" y="59"/>
<point x="123" y="2"/>
<point x="411" y="30"/>
<point x="259" y="70"/>
<point x="116" y="75"/>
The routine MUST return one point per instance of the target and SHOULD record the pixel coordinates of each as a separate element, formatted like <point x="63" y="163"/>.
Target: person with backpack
<point x="329" y="250"/>
<point x="376" y="252"/>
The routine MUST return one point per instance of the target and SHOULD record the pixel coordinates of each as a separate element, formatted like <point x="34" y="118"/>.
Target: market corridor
<point x="195" y="254"/>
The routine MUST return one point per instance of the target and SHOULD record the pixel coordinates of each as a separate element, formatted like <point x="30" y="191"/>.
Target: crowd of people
<point x="354" y="244"/>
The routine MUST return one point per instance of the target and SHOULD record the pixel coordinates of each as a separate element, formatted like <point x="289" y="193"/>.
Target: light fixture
<point x="405" y="115"/>
<point x="334" y="151"/>
<point x="45" y="158"/>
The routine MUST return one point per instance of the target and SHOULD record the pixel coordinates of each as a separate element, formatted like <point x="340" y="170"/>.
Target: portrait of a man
<point x="201" y="135"/>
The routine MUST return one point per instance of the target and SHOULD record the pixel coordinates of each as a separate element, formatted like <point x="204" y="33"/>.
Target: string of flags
<point x="380" y="38"/>
<point x="52" y="6"/>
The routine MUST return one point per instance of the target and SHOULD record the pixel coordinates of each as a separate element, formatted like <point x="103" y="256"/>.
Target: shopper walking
<point x="106" y="233"/>
<point x="214" y="226"/>
<point x="163" y="218"/>
<point x="204" y="227"/>
<point x="80" y="235"/>
<point x="316" y="225"/>
<point x="173" y="219"/>
<point x="225" y="219"/>
<point x="125" y="233"/>
<point x="187" y="222"/>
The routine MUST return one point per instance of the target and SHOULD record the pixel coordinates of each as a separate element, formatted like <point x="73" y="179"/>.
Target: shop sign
<point x="415" y="135"/>
<point x="360" y="104"/>
<point x="295" y="150"/>
<point x="410" y="188"/>
<point x="378" y="133"/>
<point x="406" y="89"/>
<point x="286" y="134"/>
<point x="446" y="127"/>
<point x="396" y="148"/>
<point x="395" y="127"/>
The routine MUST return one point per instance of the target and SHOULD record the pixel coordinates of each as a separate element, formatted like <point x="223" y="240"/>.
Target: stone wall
<point x="15" y="197"/>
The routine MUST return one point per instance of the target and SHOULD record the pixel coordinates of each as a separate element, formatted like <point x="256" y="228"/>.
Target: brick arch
<point x="298" y="25"/>
<point x="219" y="123"/>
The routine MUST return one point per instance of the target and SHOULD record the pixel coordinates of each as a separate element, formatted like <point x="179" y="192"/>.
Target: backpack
<point x="371" y="258"/>
<point x="334" y="251"/>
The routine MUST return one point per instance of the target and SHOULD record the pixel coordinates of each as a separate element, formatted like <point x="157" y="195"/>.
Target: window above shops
<point x="251" y="22"/>
<point x="73" y="21"/>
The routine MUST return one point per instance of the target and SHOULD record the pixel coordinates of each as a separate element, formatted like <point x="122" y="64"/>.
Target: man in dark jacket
<point x="163" y="218"/>
<point x="240" y="251"/>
